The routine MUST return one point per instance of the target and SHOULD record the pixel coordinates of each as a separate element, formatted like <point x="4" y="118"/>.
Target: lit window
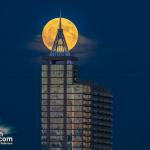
<point x="44" y="89"/>
<point x="44" y="73"/>
<point x="69" y="80"/>
<point x="58" y="73"/>
<point x="57" y="80"/>
<point x="57" y="96"/>
<point x="57" y="67"/>
<point x="69" y="67"/>
<point x="44" y="67"/>
<point x="44" y="96"/>
<point x="44" y="80"/>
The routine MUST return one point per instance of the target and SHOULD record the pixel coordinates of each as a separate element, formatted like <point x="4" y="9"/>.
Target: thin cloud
<point x="37" y="44"/>
<point x="85" y="46"/>
<point x="5" y="129"/>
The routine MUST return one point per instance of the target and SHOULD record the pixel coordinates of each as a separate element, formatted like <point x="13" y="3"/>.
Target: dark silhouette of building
<point x="74" y="115"/>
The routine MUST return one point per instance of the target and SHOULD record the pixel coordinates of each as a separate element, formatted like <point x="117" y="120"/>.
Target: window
<point x="44" y="102"/>
<point x="74" y="96"/>
<point x="57" y="67"/>
<point x="74" y="108"/>
<point x="69" y="73"/>
<point x="44" y="89"/>
<point x="57" y="114"/>
<point x="44" y="67"/>
<point x="57" y="89"/>
<point x="44" y="108"/>
<point x="44" y="73"/>
<point x="56" y="102"/>
<point x="57" y="80"/>
<point x="56" y="108"/>
<point x="44" y="96"/>
<point x="69" y="67"/>
<point x="44" y="81"/>
<point x="57" y="73"/>
<point x="57" y="120"/>
<point x="57" y="96"/>
<point x="69" y="80"/>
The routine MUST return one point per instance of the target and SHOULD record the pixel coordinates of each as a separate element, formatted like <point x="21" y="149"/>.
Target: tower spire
<point x="60" y="47"/>
<point x="59" y="18"/>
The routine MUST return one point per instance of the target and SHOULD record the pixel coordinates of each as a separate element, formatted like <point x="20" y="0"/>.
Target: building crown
<point x="60" y="47"/>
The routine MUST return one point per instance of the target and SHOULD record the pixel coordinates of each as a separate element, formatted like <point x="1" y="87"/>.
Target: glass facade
<point x="74" y="116"/>
<point x="61" y="106"/>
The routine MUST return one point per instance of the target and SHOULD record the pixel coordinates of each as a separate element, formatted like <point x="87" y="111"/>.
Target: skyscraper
<point x="74" y="115"/>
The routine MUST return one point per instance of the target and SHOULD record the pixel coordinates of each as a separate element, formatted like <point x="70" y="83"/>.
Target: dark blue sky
<point x="120" y="62"/>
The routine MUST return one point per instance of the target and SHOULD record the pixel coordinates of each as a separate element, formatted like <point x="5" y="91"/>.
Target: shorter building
<point x="97" y="118"/>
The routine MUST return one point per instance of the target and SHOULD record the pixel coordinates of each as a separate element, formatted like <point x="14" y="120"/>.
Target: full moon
<point x="50" y="31"/>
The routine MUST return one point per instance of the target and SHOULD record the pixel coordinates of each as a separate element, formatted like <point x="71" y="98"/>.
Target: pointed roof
<point x="60" y="47"/>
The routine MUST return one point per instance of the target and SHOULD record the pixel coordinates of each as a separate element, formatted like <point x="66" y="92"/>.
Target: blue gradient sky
<point x="120" y="62"/>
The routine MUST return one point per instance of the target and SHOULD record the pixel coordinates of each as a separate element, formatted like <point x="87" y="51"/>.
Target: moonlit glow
<point x="50" y="30"/>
